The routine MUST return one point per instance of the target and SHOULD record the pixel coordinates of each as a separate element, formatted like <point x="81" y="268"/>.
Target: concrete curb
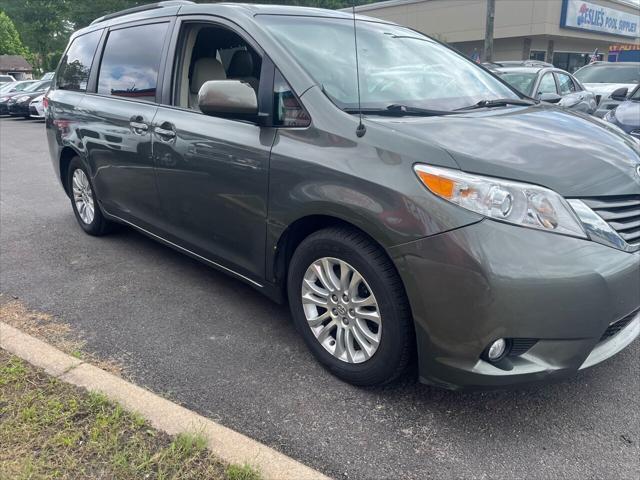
<point x="226" y="444"/>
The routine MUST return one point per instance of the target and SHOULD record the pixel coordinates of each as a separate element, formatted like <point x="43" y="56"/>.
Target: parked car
<point x="15" y="86"/>
<point x="18" y="105"/>
<point x="544" y="82"/>
<point x="604" y="78"/>
<point x="517" y="63"/>
<point x="36" y="107"/>
<point x="441" y="216"/>
<point x="627" y="114"/>
<point x="6" y="79"/>
<point x="6" y="97"/>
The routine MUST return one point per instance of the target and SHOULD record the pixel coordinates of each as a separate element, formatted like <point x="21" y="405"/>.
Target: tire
<point x="94" y="224"/>
<point x="346" y="355"/>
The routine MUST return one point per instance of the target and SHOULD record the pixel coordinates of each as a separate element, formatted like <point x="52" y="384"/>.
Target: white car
<point x="604" y="78"/>
<point x="36" y="107"/>
<point x="6" y="79"/>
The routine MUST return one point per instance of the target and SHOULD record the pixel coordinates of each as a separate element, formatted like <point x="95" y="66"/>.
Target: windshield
<point x="22" y="86"/>
<point x="609" y="74"/>
<point x="37" y="86"/>
<point x="397" y="65"/>
<point x="522" y="82"/>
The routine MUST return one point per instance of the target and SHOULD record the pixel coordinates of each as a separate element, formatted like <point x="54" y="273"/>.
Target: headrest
<point x="241" y="64"/>
<point x="205" y="69"/>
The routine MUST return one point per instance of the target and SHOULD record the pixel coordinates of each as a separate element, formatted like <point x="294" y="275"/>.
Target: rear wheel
<point x="84" y="202"/>
<point x="349" y="304"/>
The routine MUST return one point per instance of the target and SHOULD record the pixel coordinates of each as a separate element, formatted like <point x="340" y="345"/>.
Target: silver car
<point x="605" y="78"/>
<point x="544" y="82"/>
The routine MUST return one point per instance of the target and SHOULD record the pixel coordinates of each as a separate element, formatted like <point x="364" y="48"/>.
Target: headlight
<point x="598" y="229"/>
<point x="610" y="116"/>
<point x="504" y="200"/>
<point x="22" y="98"/>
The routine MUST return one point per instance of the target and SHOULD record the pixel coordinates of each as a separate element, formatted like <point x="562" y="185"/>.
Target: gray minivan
<point x="412" y="208"/>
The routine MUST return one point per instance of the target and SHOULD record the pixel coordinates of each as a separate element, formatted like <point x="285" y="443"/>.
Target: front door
<point x="212" y="173"/>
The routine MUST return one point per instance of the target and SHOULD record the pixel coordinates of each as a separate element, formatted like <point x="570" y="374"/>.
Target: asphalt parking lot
<point x="218" y="347"/>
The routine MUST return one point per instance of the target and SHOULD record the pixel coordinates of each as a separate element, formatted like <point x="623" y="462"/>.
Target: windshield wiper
<point x="499" y="102"/>
<point x="397" y="110"/>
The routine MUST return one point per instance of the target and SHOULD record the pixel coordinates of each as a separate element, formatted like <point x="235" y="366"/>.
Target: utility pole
<point x="488" y="32"/>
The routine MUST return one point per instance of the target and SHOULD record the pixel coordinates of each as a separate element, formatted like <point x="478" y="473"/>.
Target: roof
<point x="521" y="69"/>
<point x="395" y="3"/>
<point x="612" y="64"/>
<point x="229" y="10"/>
<point x="14" y="63"/>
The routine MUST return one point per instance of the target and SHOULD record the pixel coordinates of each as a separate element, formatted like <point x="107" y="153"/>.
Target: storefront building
<point x="568" y="33"/>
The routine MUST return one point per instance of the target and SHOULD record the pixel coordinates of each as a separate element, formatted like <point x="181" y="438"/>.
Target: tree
<point x="10" y="43"/>
<point x="45" y="25"/>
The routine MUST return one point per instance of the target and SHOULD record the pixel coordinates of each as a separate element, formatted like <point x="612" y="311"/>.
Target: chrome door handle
<point x="139" y="128"/>
<point x="165" y="134"/>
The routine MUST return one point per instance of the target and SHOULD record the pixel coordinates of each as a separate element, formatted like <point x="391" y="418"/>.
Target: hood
<point x="606" y="89"/>
<point x="574" y="154"/>
<point x="628" y="114"/>
<point x="12" y="94"/>
<point x="30" y="95"/>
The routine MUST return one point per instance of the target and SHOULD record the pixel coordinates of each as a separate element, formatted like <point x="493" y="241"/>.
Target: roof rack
<point x="142" y="8"/>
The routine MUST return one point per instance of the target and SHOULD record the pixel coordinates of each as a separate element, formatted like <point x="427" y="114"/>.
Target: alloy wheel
<point x="83" y="196"/>
<point x="341" y="310"/>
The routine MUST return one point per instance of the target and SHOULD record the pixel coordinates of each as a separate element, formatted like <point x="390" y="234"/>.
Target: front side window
<point x="131" y="61"/>
<point x="75" y="66"/>
<point x="397" y="65"/>
<point x="547" y="84"/>
<point x="287" y="110"/>
<point x="211" y="52"/>
<point x="566" y="84"/>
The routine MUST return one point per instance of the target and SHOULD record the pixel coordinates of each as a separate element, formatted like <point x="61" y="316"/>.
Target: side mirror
<point x="229" y="99"/>
<point x="550" y="97"/>
<point x="620" y="94"/>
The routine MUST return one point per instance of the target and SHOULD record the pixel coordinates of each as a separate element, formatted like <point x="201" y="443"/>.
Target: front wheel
<point x="84" y="202"/>
<point x="350" y="306"/>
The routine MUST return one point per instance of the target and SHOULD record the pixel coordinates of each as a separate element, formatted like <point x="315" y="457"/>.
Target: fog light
<point x="497" y="349"/>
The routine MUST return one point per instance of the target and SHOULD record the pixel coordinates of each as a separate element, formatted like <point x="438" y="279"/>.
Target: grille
<point x="618" y="325"/>
<point x="520" y="346"/>
<point x="622" y="213"/>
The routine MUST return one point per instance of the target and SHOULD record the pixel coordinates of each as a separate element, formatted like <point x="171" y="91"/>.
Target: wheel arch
<point x="293" y="235"/>
<point x="66" y="155"/>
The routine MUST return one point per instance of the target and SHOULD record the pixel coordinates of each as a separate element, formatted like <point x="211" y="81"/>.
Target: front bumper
<point x="17" y="109"/>
<point x="34" y="112"/>
<point x="470" y="286"/>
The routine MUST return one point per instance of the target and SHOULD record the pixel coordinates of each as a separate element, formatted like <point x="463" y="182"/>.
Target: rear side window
<point x="76" y="63"/>
<point x="131" y="61"/>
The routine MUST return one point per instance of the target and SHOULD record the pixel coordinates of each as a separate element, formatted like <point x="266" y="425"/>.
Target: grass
<point x="244" y="472"/>
<point x="52" y="430"/>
